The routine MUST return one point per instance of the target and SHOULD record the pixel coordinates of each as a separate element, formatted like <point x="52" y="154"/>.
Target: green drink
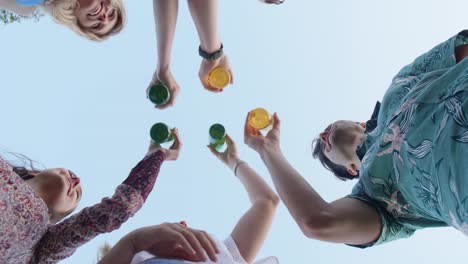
<point x="218" y="137"/>
<point x="161" y="133"/>
<point x="158" y="94"/>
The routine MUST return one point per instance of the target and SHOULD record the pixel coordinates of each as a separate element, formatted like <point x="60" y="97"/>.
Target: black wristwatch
<point x="210" y="56"/>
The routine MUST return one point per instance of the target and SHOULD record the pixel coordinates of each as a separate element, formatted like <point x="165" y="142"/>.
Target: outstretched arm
<point x="205" y="16"/>
<point x="61" y="240"/>
<point x="165" y="18"/>
<point x="252" y="228"/>
<point x="168" y="240"/>
<point x="346" y="220"/>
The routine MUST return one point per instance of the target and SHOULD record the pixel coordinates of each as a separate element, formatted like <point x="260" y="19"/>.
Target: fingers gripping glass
<point x="217" y="139"/>
<point x="162" y="134"/>
<point x="260" y="120"/>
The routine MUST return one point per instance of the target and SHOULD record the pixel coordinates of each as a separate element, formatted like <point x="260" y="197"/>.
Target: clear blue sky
<point x="68" y="102"/>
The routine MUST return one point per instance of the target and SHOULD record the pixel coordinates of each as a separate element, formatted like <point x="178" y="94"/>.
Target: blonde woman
<point x="176" y="243"/>
<point x="93" y="19"/>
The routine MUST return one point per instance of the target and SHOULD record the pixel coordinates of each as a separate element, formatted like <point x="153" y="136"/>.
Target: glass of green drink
<point x="162" y="134"/>
<point x="158" y="94"/>
<point x="217" y="134"/>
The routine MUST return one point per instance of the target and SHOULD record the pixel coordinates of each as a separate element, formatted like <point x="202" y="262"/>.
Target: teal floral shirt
<point x="415" y="171"/>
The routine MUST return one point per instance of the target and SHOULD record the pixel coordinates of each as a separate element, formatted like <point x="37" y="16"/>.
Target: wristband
<point x="210" y="56"/>
<point x="239" y="162"/>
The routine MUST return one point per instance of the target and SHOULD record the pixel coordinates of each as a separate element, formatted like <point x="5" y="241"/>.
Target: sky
<point x="69" y="102"/>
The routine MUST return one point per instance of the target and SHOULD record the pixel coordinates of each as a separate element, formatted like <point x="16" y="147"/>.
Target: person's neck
<point x="35" y="186"/>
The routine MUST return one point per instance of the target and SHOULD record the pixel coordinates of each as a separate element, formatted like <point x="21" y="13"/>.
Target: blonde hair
<point x="63" y="11"/>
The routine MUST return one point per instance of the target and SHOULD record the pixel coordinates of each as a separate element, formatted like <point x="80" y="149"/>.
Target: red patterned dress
<point x="28" y="236"/>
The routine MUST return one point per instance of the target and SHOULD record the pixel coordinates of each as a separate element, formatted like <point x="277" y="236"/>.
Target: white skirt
<point x="229" y="254"/>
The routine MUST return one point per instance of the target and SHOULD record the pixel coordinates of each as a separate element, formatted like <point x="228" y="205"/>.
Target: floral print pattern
<point x="415" y="172"/>
<point x="28" y="236"/>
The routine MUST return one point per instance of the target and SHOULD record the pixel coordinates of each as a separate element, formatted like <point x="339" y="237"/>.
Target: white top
<point x="229" y="254"/>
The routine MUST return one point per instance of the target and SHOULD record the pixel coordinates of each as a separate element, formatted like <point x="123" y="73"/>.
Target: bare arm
<point x="165" y="17"/>
<point x="168" y="240"/>
<point x="344" y="221"/>
<point x="12" y="6"/>
<point x="252" y="228"/>
<point x="205" y="17"/>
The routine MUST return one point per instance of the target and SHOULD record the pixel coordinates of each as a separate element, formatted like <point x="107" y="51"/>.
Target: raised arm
<point x="346" y="220"/>
<point x="252" y="228"/>
<point x="205" y="16"/>
<point x="165" y="18"/>
<point x="168" y="240"/>
<point x="61" y="240"/>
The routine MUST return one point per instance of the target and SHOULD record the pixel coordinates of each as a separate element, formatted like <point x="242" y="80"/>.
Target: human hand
<point x="230" y="156"/>
<point x="208" y="65"/>
<point x="175" y="241"/>
<point x="165" y="76"/>
<point x="255" y="140"/>
<point x="171" y="153"/>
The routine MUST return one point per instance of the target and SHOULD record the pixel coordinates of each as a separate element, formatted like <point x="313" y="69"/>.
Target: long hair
<point x="63" y="11"/>
<point x="25" y="169"/>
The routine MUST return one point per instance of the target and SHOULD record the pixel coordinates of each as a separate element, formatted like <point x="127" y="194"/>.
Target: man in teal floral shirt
<point x="415" y="168"/>
<point x="410" y="159"/>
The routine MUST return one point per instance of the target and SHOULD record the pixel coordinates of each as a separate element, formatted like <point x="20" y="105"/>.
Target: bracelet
<point x="210" y="56"/>
<point x="239" y="162"/>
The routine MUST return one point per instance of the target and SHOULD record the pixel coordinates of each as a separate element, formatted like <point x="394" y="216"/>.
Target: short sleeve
<point x="29" y="2"/>
<point x="390" y="230"/>
<point x="237" y="257"/>
<point x="141" y="256"/>
<point x="440" y="57"/>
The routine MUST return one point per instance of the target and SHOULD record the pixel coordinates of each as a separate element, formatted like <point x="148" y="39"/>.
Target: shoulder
<point x="358" y="189"/>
